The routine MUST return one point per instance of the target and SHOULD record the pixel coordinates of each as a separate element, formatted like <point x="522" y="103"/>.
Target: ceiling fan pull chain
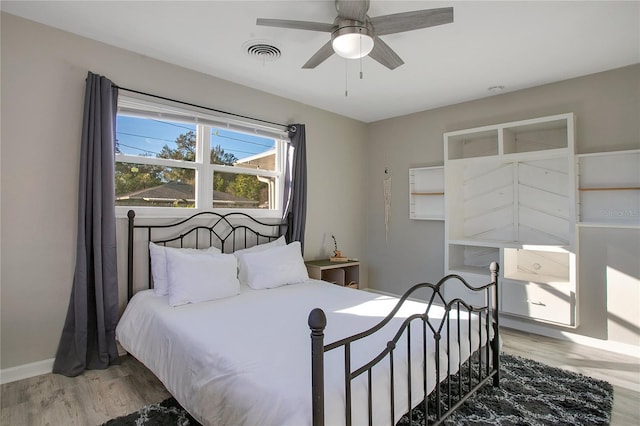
<point x="346" y="78"/>
<point x="360" y="55"/>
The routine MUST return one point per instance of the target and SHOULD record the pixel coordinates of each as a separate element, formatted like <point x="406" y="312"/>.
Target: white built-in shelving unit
<point x="511" y="198"/>
<point x="426" y="193"/>
<point x="609" y="187"/>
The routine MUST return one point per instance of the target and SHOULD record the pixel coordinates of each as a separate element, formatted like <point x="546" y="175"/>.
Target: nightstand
<point x="340" y="273"/>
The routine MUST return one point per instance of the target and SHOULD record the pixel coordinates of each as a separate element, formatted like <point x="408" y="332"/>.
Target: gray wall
<point x="43" y="72"/>
<point x="607" y="108"/>
<point x="42" y="75"/>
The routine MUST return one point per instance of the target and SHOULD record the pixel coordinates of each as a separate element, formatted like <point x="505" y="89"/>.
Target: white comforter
<point x="246" y="360"/>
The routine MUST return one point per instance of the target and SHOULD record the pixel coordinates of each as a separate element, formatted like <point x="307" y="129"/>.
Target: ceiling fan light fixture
<point x="352" y="40"/>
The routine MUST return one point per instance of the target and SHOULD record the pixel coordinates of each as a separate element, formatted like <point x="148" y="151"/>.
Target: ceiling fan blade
<point x="320" y="56"/>
<point x="296" y="25"/>
<point x="352" y="9"/>
<point x="385" y="55"/>
<point x="408" y="21"/>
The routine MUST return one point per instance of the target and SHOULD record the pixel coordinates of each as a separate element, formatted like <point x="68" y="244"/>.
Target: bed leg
<point x="317" y="323"/>
<point x="131" y="215"/>
<point x="495" y="268"/>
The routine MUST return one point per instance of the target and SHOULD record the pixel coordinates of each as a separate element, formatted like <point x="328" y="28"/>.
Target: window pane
<point x="154" y="186"/>
<point x="231" y="190"/>
<point x="242" y="150"/>
<point x="152" y="137"/>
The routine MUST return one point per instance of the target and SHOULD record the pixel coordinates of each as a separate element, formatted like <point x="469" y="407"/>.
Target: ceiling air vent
<point x="264" y="51"/>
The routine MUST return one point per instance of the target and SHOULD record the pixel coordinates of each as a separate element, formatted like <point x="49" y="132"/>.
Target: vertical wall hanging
<point x="387" y="202"/>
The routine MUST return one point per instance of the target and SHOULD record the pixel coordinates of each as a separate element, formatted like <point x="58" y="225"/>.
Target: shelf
<point x="544" y="134"/>
<point x="609" y="187"/>
<point x="472" y="258"/>
<point x="538" y="136"/>
<point x="630" y="188"/>
<point x="426" y="193"/>
<point x="473" y="144"/>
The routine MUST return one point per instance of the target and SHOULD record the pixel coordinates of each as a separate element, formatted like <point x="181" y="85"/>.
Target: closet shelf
<point x="621" y="188"/>
<point x="609" y="187"/>
<point x="426" y="193"/>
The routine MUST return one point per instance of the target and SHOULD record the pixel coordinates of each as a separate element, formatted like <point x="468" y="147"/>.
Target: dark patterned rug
<point x="530" y="394"/>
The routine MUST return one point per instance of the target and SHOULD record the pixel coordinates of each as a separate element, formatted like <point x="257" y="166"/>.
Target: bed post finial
<point x="494" y="268"/>
<point x="317" y="323"/>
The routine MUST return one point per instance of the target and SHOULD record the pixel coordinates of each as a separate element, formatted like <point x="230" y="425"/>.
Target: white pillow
<point x="195" y="278"/>
<point x="274" y="267"/>
<point x="159" y="264"/>
<point x="260" y="247"/>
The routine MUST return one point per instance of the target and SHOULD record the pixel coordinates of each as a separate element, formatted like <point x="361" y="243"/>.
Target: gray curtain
<point x="88" y="338"/>
<point x="295" y="190"/>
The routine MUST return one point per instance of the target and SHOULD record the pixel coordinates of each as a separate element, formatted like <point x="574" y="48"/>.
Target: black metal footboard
<point x="451" y="336"/>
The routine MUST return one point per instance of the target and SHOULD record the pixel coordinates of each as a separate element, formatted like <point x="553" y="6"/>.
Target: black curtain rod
<point x="288" y="127"/>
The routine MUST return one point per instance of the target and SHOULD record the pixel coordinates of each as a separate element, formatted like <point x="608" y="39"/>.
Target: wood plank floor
<point x="97" y="396"/>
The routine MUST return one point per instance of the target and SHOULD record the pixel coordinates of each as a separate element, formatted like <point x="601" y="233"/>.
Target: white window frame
<point x="204" y="171"/>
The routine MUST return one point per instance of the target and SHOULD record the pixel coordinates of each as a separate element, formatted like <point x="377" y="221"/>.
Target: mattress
<point x="246" y="360"/>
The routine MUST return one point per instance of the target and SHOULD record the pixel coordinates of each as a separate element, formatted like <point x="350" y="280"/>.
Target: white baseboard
<point x="25" y="371"/>
<point x="607" y="345"/>
<point x="33" y="369"/>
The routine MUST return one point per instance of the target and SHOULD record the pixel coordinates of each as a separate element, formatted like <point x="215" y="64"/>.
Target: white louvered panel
<point x="548" y="175"/>
<point x="494" y="225"/>
<point x="537" y="236"/>
<point x="542" y="228"/>
<point x="488" y="202"/>
<point x="557" y="164"/>
<point x="499" y="198"/>
<point x="544" y="201"/>
<point x="486" y="178"/>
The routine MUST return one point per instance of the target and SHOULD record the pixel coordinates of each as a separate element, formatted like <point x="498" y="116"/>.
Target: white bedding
<point x="246" y="359"/>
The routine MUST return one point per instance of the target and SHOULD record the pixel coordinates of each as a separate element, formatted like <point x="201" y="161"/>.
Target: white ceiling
<point x="507" y="43"/>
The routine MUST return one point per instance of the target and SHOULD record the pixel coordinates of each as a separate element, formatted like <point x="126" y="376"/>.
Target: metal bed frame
<point x="488" y="359"/>
<point x="234" y="231"/>
<point x="229" y="232"/>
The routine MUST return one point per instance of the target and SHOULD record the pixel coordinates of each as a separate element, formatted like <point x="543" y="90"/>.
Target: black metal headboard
<point x="229" y="232"/>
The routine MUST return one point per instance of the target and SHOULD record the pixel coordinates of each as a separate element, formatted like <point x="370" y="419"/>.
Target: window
<point x="171" y="160"/>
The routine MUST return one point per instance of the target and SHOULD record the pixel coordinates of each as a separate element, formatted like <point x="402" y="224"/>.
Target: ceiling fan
<point x="355" y="35"/>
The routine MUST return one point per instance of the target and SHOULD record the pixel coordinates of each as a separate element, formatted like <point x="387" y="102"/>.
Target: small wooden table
<point x="339" y="273"/>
